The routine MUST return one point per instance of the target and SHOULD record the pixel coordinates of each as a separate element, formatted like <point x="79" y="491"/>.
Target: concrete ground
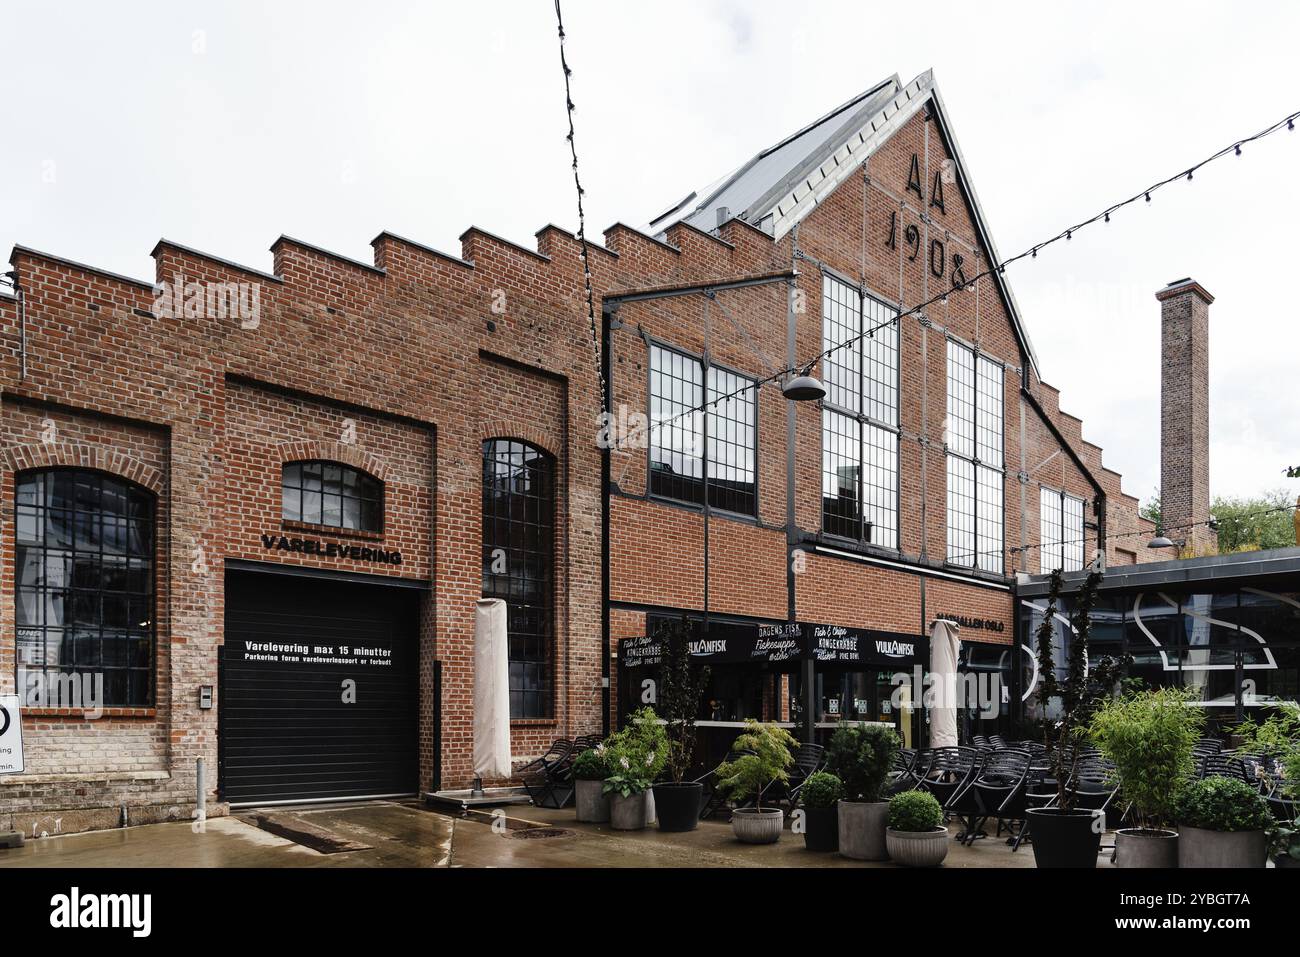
<point x="410" y="835"/>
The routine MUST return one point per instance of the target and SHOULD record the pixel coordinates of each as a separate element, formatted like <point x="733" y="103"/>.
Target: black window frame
<point x="529" y="580"/>
<point x="362" y="480"/>
<point x="688" y="489"/>
<point x="855" y="423"/>
<point x="91" y="588"/>
<point x="1065" y="539"/>
<point x="980" y="469"/>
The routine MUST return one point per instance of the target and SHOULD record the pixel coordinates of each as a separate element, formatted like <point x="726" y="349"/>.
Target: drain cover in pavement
<point x="533" y="833"/>
<point x="308" y="835"/>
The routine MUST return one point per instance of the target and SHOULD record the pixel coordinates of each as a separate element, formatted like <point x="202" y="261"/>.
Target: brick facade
<point x="404" y="367"/>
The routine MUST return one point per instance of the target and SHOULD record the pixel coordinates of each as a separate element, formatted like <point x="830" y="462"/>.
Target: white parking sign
<point x="11" y="736"/>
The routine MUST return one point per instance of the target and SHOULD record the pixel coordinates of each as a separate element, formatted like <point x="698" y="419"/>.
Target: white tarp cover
<point x="491" y="690"/>
<point x="944" y="649"/>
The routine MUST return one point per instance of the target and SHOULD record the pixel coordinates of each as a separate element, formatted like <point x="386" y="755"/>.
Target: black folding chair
<point x="557" y="752"/>
<point x="808" y="760"/>
<point x="1225" y="766"/>
<point x="714" y="799"/>
<point x="552" y="786"/>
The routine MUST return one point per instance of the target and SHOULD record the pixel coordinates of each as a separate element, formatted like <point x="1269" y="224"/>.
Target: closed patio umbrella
<point x="491" y="692"/>
<point x="944" y="648"/>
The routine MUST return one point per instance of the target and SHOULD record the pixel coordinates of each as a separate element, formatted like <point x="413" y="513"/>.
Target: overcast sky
<point x="223" y="125"/>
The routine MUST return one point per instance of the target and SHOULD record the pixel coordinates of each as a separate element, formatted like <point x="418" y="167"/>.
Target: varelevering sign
<point x="11" y="735"/>
<point x="315" y="546"/>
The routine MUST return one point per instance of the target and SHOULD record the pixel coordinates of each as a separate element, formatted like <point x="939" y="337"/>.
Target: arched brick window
<point x="519" y="563"/>
<point x="84" y="576"/>
<point x="332" y="494"/>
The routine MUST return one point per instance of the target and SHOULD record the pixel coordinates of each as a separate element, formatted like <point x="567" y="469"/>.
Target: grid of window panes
<point x="85" y="589"/>
<point x="841" y="475"/>
<point x="731" y="446"/>
<point x="860" y="416"/>
<point x="961" y="511"/>
<point x="677" y="446"/>
<point x="518" y="563"/>
<point x="1061" y="531"/>
<point x="976" y="482"/>
<point x="1049" y="534"/>
<point x="677" y="433"/>
<point x="327" y="493"/>
<point x="842" y="323"/>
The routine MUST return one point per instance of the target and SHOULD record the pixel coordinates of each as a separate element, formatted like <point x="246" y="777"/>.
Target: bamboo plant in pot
<point x="1149" y="736"/>
<point x="590" y="769"/>
<point x="821" y="818"/>
<point x="681" y="685"/>
<point x="1222" y="822"/>
<point x="1064" y="836"/>
<point x="1275" y="744"/>
<point x="769" y="756"/>
<point x="861" y="757"/>
<point x="916" y="836"/>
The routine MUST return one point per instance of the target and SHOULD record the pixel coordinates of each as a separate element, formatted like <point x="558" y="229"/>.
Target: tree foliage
<point x="1085" y="685"/>
<point x="1261" y="521"/>
<point x="1150" y="736"/>
<point x="771" y="754"/>
<point x="861" y="758"/>
<point x="681" y="685"/>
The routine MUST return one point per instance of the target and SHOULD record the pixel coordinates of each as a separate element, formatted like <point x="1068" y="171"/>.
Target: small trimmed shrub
<point x="1222" y="804"/>
<point x="915" y="812"/>
<point x="861" y="758"/>
<point x="590" y="765"/>
<point x="821" y="790"/>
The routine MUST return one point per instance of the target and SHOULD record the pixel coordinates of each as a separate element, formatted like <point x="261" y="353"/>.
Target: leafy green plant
<point x="822" y="789"/>
<point x="1222" y="804"/>
<point x="749" y="775"/>
<point x="590" y="765"/>
<point x="1085" y="686"/>
<point x="861" y="758"/>
<point x="641" y="748"/>
<point x="625" y="783"/>
<point x="1277" y="734"/>
<point x="1150" y="736"/>
<point x="1284" y="840"/>
<point x="915" y="811"/>
<point x="681" y="685"/>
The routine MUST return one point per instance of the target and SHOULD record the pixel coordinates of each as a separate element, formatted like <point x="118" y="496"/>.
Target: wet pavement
<point x="410" y="835"/>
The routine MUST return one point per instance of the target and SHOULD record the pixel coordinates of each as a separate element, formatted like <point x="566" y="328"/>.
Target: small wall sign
<point x="316" y="546"/>
<point x="11" y="735"/>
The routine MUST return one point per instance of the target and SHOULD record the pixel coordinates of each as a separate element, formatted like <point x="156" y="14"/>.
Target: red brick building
<point x="239" y="497"/>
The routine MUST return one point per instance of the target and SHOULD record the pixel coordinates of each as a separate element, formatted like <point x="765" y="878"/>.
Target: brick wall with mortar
<point x="497" y="340"/>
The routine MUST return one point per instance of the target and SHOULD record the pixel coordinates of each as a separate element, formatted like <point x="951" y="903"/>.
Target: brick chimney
<point x="1185" y="413"/>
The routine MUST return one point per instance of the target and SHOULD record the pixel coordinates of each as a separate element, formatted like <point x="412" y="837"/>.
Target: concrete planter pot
<point x="592" y="803"/>
<point x="650" y="811"/>
<point x="757" y="826"/>
<point x="862" y="830"/>
<point x="917" y="848"/>
<point x="1135" y="847"/>
<point x="628" y="813"/>
<point x="1201" y="848"/>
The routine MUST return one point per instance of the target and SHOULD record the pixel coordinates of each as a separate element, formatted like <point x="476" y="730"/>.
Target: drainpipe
<point x="606" y="339"/>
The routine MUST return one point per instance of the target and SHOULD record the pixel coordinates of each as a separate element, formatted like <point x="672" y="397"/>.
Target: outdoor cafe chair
<point x="902" y="774"/>
<point x="714" y="798"/>
<point x="997" y="741"/>
<point x="557" y="752"/>
<point x="948" y="771"/>
<point x="1225" y="766"/>
<point x="995" y="790"/>
<point x="552" y="786"/>
<point x="808" y="760"/>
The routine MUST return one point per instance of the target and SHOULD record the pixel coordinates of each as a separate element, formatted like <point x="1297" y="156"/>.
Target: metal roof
<point x="1228" y="570"/>
<point x="779" y="186"/>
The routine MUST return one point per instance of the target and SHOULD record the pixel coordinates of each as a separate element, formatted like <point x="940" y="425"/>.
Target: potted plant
<point x="821" y="818"/>
<point x="635" y="756"/>
<point x="1276" y="744"/>
<point x="1064" y="836"/>
<point x="1149" y="736"/>
<point x="749" y="775"/>
<point x="681" y="685"/>
<point x="861" y="758"/>
<point x="590" y="769"/>
<point x="916" y="836"/>
<point x="1222" y="822"/>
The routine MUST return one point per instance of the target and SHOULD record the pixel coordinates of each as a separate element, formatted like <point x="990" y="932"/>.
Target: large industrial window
<point x="85" y="584"/>
<point x="975" y="466"/>
<point x="679" y="453"/>
<point x="327" y="493"/>
<point x="1061" y="535"/>
<point x="860" y="416"/>
<point x="519" y="563"/>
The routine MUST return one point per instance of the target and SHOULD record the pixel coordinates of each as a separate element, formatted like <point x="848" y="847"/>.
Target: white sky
<point x="223" y="125"/>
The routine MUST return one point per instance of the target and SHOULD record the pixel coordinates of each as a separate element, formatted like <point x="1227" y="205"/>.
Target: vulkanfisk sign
<point x="315" y="546"/>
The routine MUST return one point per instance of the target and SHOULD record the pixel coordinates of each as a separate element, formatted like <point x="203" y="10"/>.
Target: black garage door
<point x="318" y="689"/>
